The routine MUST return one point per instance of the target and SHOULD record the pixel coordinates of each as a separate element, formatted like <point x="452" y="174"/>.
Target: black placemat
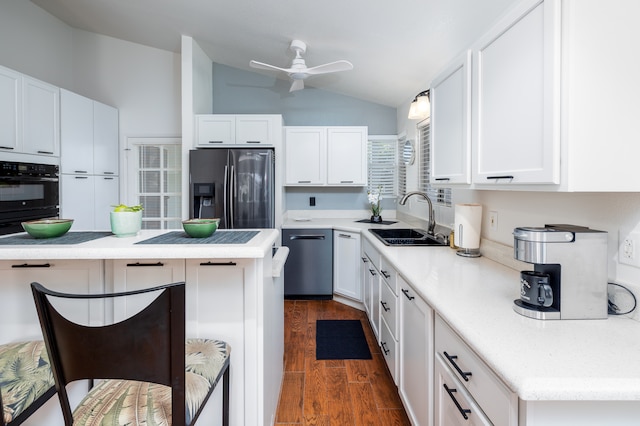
<point x="384" y="222"/>
<point x="341" y="339"/>
<point x="67" y="239"/>
<point x="218" y="237"/>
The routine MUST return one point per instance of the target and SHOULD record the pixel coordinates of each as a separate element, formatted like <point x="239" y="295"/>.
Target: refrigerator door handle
<point x="224" y="197"/>
<point x="232" y="180"/>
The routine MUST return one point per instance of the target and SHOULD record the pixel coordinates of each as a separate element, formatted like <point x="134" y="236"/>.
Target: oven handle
<point x="28" y="179"/>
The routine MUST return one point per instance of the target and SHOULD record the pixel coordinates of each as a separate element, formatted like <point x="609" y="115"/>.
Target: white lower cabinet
<point x="20" y="319"/>
<point x="454" y="406"/>
<point x="416" y="356"/>
<point x="88" y="199"/>
<point x="371" y="284"/>
<point x="365" y="272"/>
<point x="496" y="401"/>
<point x="71" y="276"/>
<point x="389" y="346"/>
<point x="346" y="267"/>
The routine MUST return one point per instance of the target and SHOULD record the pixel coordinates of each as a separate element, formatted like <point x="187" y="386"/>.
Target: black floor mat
<point x="341" y="339"/>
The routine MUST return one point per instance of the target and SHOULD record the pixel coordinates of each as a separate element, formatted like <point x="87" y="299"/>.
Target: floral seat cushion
<point x="25" y="376"/>
<point x="127" y="402"/>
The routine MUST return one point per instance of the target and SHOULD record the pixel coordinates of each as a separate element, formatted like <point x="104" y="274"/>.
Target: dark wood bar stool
<point x="143" y="367"/>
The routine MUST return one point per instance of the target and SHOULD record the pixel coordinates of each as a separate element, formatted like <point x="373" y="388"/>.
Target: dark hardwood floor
<point x="333" y="392"/>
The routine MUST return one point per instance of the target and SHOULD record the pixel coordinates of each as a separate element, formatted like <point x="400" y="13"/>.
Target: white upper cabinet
<point x="515" y="109"/>
<point x="89" y="133"/>
<point x="41" y="117"/>
<point x="347" y="156"/>
<point x="450" y="123"/>
<point x="305" y="156"/>
<point x="105" y="139"/>
<point x="76" y="130"/>
<point x="326" y="156"/>
<point x="10" y="110"/>
<point x="228" y="129"/>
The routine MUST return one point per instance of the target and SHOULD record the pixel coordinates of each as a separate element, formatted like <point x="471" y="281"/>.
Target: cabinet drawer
<point x="389" y="308"/>
<point x="453" y="404"/>
<point x="371" y="253"/>
<point x="389" y="347"/>
<point x="389" y="274"/>
<point x="496" y="400"/>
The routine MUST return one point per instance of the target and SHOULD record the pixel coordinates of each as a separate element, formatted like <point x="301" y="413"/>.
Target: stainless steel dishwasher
<point x="308" y="273"/>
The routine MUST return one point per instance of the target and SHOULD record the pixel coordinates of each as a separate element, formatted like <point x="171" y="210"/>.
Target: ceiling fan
<point x="298" y="71"/>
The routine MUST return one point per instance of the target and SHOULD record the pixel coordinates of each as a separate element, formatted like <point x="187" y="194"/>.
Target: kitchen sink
<point x="406" y="237"/>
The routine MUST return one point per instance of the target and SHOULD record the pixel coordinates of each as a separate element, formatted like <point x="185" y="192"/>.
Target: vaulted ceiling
<point x="396" y="47"/>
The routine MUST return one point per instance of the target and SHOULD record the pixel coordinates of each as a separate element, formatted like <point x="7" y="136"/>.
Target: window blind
<point x="440" y="196"/>
<point x="402" y="168"/>
<point x="382" y="155"/>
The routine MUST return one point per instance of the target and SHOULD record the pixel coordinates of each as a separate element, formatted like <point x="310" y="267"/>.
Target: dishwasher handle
<point x="306" y="237"/>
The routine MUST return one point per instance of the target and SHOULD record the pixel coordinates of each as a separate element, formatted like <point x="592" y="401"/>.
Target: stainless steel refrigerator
<point x="234" y="185"/>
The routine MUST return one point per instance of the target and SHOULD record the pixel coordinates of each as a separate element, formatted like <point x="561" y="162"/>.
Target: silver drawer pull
<point x="463" y="411"/>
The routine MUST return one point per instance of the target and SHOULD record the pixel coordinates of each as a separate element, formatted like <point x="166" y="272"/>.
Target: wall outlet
<point x="629" y="248"/>
<point x="493" y="221"/>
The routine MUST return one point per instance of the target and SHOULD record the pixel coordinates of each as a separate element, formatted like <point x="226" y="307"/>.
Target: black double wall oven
<point x="28" y="191"/>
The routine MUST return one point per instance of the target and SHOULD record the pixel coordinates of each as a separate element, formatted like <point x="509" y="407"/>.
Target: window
<point x="382" y="158"/>
<point x="156" y="168"/>
<point x="440" y="196"/>
<point x="402" y="167"/>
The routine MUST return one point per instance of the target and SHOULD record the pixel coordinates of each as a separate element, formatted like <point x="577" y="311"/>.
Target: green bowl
<point x="200" y="228"/>
<point x="47" y="228"/>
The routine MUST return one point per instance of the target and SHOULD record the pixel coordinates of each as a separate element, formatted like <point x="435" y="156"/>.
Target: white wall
<point x="35" y="43"/>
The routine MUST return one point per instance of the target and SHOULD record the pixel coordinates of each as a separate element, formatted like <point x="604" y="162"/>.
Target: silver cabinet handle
<point x="344" y="236"/>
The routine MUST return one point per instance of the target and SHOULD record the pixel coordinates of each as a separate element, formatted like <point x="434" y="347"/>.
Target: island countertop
<point x="108" y="246"/>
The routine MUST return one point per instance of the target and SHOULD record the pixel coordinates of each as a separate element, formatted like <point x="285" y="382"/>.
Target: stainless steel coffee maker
<point x="569" y="277"/>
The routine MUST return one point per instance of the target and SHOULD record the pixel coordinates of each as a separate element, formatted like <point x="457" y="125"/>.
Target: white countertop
<point x="112" y="247"/>
<point x="539" y="360"/>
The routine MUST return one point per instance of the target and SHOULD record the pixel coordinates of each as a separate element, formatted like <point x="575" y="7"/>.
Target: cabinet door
<point x="10" y="110"/>
<point x="77" y="200"/>
<point x="215" y="129"/>
<point x="416" y="355"/>
<point x="135" y="274"/>
<point x="515" y="81"/>
<point x="305" y="156"/>
<point x="450" y="123"/>
<point x="389" y="347"/>
<point x="41" y="117"/>
<point x="255" y="129"/>
<point x="105" y="139"/>
<point x="346" y="264"/>
<point x="107" y="195"/>
<point x="73" y="276"/>
<point x="453" y="404"/>
<point x="347" y="156"/>
<point x="365" y="265"/>
<point x="215" y="309"/>
<point x="76" y="129"/>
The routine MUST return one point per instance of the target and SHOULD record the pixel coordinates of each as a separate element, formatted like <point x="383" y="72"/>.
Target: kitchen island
<point x="558" y="372"/>
<point x="234" y="293"/>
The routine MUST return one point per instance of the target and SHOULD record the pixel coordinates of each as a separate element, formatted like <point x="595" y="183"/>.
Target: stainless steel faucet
<point x="432" y="221"/>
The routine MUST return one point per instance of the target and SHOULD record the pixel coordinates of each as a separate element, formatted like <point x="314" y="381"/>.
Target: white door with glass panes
<point x="154" y="179"/>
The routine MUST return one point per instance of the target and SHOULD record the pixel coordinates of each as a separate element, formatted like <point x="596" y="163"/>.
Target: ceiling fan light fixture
<point x="420" y="106"/>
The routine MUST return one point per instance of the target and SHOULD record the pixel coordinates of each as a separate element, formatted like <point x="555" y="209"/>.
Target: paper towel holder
<point x="466" y="252"/>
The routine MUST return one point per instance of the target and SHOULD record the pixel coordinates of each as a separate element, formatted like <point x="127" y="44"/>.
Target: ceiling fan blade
<point x="263" y="66"/>
<point x="296" y="85"/>
<point x="336" y="66"/>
